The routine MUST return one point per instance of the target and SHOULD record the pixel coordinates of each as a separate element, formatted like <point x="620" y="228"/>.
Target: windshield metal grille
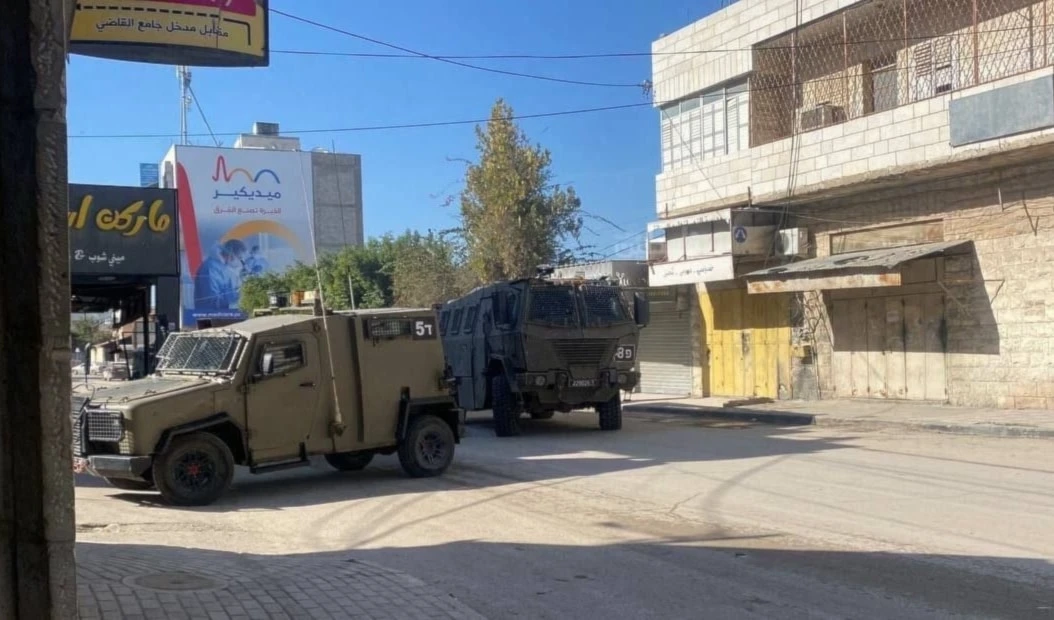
<point x="582" y="352"/>
<point x="192" y="352"/>
<point x="553" y="305"/>
<point x="603" y="305"/>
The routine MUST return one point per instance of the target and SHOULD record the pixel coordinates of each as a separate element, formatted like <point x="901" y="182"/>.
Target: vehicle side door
<point x="283" y="395"/>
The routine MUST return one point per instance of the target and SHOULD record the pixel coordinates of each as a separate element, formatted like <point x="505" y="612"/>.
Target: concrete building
<point x="860" y="195"/>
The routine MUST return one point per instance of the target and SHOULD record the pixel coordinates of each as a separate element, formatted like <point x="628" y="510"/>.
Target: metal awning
<point x="865" y="269"/>
<point x="721" y="215"/>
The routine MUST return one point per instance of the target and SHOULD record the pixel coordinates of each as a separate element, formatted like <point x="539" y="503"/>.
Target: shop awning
<point x="721" y="215"/>
<point x="865" y="269"/>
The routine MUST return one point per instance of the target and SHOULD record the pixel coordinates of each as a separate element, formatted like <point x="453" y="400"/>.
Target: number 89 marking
<point x="625" y="353"/>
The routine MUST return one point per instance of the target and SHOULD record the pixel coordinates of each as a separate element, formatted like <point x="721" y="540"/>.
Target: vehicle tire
<point x="428" y="448"/>
<point x="506" y="414"/>
<point x="542" y="415"/>
<point x="127" y="484"/>
<point x="611" y="414"/>
<point x="195" y="470"/>
<point x="349" y="461"/>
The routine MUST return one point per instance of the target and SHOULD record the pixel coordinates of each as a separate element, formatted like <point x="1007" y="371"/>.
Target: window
<point x="444" y="318"/>
<point x="884" y="93"/>
<point x="553" y="305"/>
<point x="470" y="319"/>
<point x="603" y="305"/>
<point x="456" y="324"/>
<point x="712" y="124"/>
<point x="286" y="356"/>
<point x="933" y="69"/>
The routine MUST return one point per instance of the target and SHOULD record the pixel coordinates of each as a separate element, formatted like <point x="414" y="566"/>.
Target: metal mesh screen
<point x="554" y="305"/>
<point x="876" y="56"/>
<point x="194" y="352"/>
<point x="603" y="305"/>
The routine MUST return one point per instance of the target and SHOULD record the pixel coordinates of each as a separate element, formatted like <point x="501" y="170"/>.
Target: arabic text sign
<point x="710" y="269"/>
<point x="230" y="33"/>
<point x="122" y="231"/>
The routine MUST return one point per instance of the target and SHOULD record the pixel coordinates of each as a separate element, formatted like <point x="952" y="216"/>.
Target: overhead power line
<point x="418" y="54"/>
<point x="477" y="121"/>
<point x="597" y="55"/>
<point x="201" y="111"/>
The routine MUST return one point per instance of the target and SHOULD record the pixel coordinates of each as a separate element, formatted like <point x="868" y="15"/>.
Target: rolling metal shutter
<point x="665" y="357"/>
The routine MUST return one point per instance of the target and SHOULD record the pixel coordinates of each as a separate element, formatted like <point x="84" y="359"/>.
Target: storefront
<point x="123" y="255"/>
<point x="887" y="314"/>
<point x="743" y="342"/>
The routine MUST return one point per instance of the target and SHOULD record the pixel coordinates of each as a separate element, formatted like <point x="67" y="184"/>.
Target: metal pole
<point x="351" y="292"/>
<point x="37" y="576"/>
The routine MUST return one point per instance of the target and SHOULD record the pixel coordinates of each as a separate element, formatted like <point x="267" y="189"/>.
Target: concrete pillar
<point x="37" y="574"/>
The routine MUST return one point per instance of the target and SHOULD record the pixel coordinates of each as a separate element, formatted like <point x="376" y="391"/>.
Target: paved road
<point x="670" y="518"/>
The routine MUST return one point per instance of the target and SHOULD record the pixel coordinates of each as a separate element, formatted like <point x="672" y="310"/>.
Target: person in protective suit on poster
<point x="216" y="284"/>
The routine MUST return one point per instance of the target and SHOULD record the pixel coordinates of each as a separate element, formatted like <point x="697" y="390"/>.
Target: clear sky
<point x="609" y="157"/>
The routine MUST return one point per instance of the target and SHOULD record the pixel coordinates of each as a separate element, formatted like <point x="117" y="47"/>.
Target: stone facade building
<point x="859" y="194"/>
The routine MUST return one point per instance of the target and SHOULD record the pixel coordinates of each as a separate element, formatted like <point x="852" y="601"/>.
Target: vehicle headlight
<point x="104" y="425"/>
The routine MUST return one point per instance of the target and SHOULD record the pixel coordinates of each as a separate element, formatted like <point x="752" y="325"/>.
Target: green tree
<point x="90" y="329"/>
<point x="367" y="268"/>
<point x="513" y="217"/>
<point x="428" y="269"/>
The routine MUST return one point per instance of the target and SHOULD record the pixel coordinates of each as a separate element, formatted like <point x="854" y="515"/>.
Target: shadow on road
<point x="664" y="578"/>
<point x="568" y="446"/>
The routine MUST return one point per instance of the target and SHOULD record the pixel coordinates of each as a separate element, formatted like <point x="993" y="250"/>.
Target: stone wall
<point x="999" y="295"/>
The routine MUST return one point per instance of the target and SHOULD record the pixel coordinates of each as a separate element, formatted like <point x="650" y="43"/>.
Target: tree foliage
<point x="513" y="218"/>
<point x="90" y="329"/>
<point x="428" y="269"/>
<point x="409" y="270"/>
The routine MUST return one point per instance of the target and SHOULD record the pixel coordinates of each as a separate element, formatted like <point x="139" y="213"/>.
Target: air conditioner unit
<point x="792" y="242"/>
<point x="821" y="116"/>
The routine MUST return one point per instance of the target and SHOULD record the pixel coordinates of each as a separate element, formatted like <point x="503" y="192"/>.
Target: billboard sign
<point x="208" y="33"/>
<point x="121" y="231"/>
<point x="243" y="212"/>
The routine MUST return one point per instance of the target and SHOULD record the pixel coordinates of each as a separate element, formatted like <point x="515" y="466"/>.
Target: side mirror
<point x="641" y="310"/>
<point x="267" y="364"/>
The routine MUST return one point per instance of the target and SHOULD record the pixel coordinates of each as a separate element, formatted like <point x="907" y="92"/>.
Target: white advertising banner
<point x="694" y="271"/>
<point x="243" y="212"/>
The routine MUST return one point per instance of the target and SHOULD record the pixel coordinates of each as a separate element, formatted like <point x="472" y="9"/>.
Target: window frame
<point x="266" y="347"/>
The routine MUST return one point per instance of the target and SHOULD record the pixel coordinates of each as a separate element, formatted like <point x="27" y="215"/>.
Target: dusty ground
<point x="670" y="518"/>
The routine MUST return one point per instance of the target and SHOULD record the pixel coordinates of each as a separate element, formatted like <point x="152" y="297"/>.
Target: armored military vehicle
<point x="539" y="345"/>
<point x="268" y="393"/>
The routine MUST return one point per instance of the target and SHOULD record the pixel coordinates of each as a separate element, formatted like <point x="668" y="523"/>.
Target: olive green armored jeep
<point x="268" y="393"/>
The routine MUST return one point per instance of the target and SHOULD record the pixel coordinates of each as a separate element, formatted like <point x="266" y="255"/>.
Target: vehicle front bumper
<point x="560" y="387"/>
<point x="113" y="466"/>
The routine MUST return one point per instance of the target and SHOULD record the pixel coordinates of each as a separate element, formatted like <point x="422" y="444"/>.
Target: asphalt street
<point x="672" y="517"/>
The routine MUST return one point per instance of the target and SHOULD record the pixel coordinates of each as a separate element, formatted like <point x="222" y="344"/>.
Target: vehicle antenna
<point x="337" y="425"/>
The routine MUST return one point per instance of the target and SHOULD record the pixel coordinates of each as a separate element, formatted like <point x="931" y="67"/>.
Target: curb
<point x="805" y="419"/>
<point x="727" y="413"/>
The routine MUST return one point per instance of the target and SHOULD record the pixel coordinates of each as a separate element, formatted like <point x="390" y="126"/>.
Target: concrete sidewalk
<point x="137" y="582"/>
<point x="860" y="414"/>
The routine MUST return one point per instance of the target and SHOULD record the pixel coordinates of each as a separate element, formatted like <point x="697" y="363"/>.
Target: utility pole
<point x="37" y="572"/>
<point x="183" y="73"/>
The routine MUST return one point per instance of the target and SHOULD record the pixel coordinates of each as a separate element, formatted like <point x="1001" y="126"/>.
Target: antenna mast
<point x="183" y="73"/>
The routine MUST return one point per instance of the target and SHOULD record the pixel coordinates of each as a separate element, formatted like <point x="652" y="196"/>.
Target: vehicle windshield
<point x="603" y="305"/>
<point x="553" y="305"/>
<point x="199" y="353"/>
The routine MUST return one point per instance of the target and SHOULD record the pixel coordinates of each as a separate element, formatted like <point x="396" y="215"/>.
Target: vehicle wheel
<point x="428" y="448"/>
<point x="349" y="461"/>
<point x="127" y="484"/>
<point x="542" y="415"/>
<point x="611" y="414"/>
<point x="195" y="470"/>
<point x="506" y="414"/>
